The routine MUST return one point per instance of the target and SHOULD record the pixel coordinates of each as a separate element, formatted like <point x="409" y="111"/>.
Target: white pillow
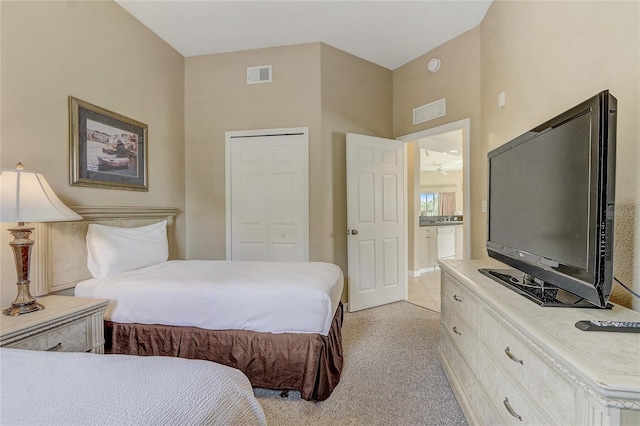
<point x="112" y="250"/>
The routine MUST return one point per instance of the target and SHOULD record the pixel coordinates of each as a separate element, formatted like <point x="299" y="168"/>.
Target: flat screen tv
<point x="551" y="207"/>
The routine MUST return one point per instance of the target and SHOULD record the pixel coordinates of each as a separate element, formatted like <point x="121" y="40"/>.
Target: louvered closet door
<point x="268" y="195"/>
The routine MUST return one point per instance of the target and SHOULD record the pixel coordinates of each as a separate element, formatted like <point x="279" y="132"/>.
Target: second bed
<point x="278" y="322"/>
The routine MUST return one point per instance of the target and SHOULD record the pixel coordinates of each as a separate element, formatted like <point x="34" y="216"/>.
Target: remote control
<point x="620" y="326"/>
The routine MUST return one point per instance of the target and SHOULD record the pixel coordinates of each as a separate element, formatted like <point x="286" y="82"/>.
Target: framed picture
<point x="107" y="150"/>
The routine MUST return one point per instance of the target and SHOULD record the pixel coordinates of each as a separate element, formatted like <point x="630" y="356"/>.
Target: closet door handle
<point x="510" y="355"/>
<point x="456" y="298"/>
<point x="510" y="409"/>
<point x="455" y="330"/>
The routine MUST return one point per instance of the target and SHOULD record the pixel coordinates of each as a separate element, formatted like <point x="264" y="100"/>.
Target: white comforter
<point x="88" y="389"/>
<point x="276" y="297"/>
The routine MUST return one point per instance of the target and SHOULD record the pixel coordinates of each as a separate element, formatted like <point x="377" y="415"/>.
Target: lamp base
<point x="24" y="303"/>
<point x="18" y="309"/>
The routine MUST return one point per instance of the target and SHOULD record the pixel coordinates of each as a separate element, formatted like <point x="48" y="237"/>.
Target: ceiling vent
<point x="430" y="111"/>
<point x="261" y="74"/>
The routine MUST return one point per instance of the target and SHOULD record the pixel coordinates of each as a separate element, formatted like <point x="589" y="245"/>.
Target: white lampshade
<point x="25" y="196"/>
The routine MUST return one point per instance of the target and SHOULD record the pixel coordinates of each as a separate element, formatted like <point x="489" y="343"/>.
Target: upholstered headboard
<point x="59" y="257"/>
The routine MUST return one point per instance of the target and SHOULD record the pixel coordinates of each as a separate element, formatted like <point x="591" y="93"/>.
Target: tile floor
<point x="425" y="290"/>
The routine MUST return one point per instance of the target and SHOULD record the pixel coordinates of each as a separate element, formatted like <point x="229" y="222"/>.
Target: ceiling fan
<point x="439" y="170"/>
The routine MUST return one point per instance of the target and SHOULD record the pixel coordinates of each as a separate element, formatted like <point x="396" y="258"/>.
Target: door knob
<point x="354" y="232"/>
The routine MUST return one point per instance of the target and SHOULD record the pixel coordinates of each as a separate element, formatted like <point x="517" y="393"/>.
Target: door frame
<point x="465" y="126"/>
<point x="228" y="136"/>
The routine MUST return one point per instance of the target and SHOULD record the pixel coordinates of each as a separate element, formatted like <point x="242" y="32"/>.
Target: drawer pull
<point x="54" y="348"/>
<point x="455" y="330"/>
<point x="510" y="409"/>
<point x="513" y="358"/>
<point x="456" y="298"/>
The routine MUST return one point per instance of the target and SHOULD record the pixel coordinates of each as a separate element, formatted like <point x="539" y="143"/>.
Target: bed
<point x="278" y="322"/>
<point x="89" y="389"/>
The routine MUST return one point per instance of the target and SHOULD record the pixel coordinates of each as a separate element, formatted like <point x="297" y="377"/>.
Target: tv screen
<point x="550" y="207"/>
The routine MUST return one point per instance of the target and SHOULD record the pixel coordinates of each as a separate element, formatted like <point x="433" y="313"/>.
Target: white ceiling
<point x="387" y="33"/>
<point x="442" y="152"/>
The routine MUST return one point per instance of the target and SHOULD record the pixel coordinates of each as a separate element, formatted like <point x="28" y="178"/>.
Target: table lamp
<point x="25" y="196"/>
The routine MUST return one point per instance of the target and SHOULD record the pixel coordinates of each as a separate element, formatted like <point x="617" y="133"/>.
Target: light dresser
<point x="510" y="361"/>
<point x="67" y="324"/>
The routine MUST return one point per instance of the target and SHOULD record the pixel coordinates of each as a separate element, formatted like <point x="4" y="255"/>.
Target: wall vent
<point x="430" y="111"/>
<point x="260" y="74"/>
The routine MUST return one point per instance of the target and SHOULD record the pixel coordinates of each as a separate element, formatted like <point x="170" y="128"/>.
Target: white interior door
<point x="375" y="221"/>
<point x="267" y="195"/>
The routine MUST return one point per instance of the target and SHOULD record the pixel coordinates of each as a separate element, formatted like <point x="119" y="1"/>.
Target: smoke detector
<point x="434" y="65"/>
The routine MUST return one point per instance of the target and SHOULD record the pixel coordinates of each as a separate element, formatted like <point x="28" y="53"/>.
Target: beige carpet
<point x="391" y="375"/>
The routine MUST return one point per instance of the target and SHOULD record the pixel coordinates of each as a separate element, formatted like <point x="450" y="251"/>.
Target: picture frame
<point x="107" y="150"/>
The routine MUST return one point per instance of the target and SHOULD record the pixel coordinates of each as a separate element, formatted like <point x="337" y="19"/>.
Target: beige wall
<point x="218" y="99"/>
<point x="356" y="98"/>
<point x="550" y="56"/>
<point x="314" y="85"/>
<point x="547" y="57"/>
<point x="51" y="50"/>
<point x="458" y="80"/>
<point x="97" y="52"/>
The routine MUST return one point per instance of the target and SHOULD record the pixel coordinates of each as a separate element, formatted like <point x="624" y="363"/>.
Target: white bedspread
<point x="276" y="297"/>
<point x="88" y="389"/>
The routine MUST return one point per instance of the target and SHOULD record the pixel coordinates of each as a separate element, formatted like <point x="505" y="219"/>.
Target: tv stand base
<point x="543" y="295"/>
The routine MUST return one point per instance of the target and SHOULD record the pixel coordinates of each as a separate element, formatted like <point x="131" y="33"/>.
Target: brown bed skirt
<point x="310" y="363"/>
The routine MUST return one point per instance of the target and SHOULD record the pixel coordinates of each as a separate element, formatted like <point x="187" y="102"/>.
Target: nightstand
<point x="67" y="324"/>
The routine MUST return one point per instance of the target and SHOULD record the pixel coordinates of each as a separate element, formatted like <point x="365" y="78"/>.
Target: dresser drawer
<point x="461" y="301"/>
<point x="511" y="404"/>
<point x="72" y="337"/>
<point x="465" y="382"/>
<point x="461" y="335"/>
<point x="540" y="379"/>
